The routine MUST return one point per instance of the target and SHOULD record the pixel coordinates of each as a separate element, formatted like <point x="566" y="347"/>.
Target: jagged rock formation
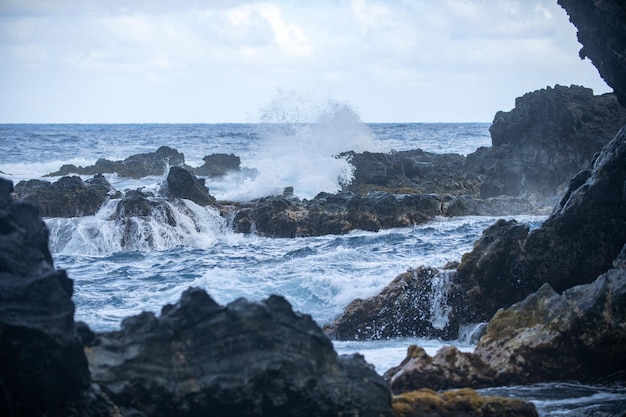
<point x="464" y="402"/>
<point x="579" y="335"/>
<point x="67" y="197"/>
<point x="217" y="165"/>
<point x="244" y="359"/>
<point x="548" y="137"/>
<point x="602" y="33"/>
<point x="181" y="183"/>
<point x="415" y="172"/>
<point x="43" y="369"/>
<point x="409" y="306"/>
<point x="135" y="166"/>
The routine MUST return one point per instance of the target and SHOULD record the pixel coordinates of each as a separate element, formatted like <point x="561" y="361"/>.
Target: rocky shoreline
<point x="554" y="298"/>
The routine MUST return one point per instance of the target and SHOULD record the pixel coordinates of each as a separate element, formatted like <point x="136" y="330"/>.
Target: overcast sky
<point x="212" y="61"/>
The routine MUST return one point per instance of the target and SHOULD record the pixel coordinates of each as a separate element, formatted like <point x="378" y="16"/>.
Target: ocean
<point x="319" y="276"/>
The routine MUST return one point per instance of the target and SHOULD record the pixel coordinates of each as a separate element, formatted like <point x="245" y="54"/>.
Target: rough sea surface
<point x="318" y="276"/>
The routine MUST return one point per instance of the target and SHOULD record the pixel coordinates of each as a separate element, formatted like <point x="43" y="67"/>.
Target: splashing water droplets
<point x="301" y="145"/>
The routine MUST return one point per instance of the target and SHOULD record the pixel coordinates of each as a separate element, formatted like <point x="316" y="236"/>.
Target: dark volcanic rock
<point x="587" y="229"/>
<point x="411" y="172"/>
<point x="218" y="164"/>
<point x="43" y="369"/>
<point x="579" y="335"/>
<point x="549" y="136"/>
<point x="67" y="197"/>
<point x="334" y="213"/>
<point x="602" y="32"/>
<point x="180" y="183"/>
<point x="244" y="359"/>
<point x="411" y="305"/>
<point x="135" y="166"/>
<point x="488" y="277"/>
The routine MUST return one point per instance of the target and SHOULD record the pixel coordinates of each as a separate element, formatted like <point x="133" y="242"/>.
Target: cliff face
<point x="602" y="32"/>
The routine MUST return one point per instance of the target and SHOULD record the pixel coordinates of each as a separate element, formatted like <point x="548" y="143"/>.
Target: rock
<point x="548" y="137"/>
<point x="579" y="335"/>
<point x="180" y="183"/>
<point x="411" y="172"/>
<point x="67" y="197"/>
<point x="488" y="277"/>
<point x="449" y="368"/>
<point x="586" y="230"/>
<point x="243" y="359"/>
<point x="465" y="402"/>
<point x="602" y="33"/>
<point x="43" y="369"/>
<point x="135" y="166"/>
<point x="333" y="213"/>
<point x="218" y="164"/>
<point x="411" y="305"/>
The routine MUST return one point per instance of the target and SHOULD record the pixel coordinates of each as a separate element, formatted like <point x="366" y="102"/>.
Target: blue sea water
<point x="318" y="275"/>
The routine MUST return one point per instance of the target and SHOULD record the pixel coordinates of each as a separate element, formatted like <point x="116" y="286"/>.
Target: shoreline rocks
<point x="579" y="335"/>
<point x="196" y="358"/>
<point x="241" y="359"/>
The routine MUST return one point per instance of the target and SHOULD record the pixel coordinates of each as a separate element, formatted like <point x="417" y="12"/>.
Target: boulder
<point x="244" y="359"/>
<point x="602" y="33"/>
<point x="43" y="369"/>
<point x="218" y="164"/>
<point x="135" y="166"/>
<point x="578" y="335"/>
<point x="548" y="137"/>
<point x="67" y="197"/>
<point x="413" y="304"/>
<point x="181" y="183"/>
<point x="464" y="402"/>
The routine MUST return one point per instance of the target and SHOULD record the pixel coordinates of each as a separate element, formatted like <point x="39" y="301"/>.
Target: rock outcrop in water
<point x="135" y="166"/>
<point x="409" y="306"/>
<point x="548" y="137"/>
<point x="181" y="183"/>
<point x="242" y="359"/>
<point x="43" y="369"/>
<point x="67" y="197"/>
<point x="579" y="335"/>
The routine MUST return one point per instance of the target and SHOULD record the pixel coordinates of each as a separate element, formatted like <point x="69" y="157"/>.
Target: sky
<point x="228" y="61"/>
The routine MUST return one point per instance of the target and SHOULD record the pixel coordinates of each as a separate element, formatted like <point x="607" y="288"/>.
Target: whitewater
<point x="319" y="276"/>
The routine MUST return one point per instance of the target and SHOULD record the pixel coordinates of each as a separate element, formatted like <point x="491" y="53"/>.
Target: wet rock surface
<point x="181" y="183"/>
<point x="135" y="166"/>
<point x="67" y="197"/>
<point x="43" y="369"/>
<point x="579" y="335"/>
<point x="408" y="306"/>
<point x="241" y="359"/>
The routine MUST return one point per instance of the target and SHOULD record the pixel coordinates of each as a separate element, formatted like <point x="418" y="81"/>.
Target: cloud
<point x="222" y="60"/>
